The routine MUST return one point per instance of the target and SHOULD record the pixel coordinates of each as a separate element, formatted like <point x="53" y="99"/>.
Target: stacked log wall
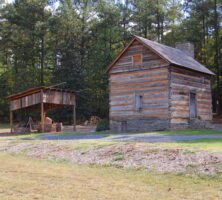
<point x="151" y="80"/>
<point x="25" y="101"/>
<point x="182" y="83"/>
<point x="58" y="97"/>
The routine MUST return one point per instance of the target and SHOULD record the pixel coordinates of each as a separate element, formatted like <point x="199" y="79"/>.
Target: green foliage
<point x="102" y="125"/>
<point x="118" y="158"/>
<point x="188" y="152"/>
<point x="75" y="42"/>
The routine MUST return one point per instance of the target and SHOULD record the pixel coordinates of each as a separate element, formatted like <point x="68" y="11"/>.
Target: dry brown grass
<point x="22" y="178"/>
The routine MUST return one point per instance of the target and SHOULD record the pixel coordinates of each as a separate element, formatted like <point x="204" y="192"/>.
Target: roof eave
<point x="35" y="90"/>
<point x="169" y="61"/>
<point x="211" y="73"/>
<point x="156" y="52"/>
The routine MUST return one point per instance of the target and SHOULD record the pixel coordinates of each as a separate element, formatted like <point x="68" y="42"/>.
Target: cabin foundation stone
<point x="179" y="126"/>
<point x="200" y="124"/>
<point x="133" y="125"/>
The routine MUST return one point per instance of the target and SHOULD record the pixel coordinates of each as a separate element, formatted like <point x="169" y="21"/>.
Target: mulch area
<point x="136" y="155"/>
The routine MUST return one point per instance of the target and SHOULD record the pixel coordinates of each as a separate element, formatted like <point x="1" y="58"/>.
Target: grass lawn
<point x="4" y="126"/>
<point x="23" y="178"/>
<point x="27" y="136"/>
<point x="203" y="144"/>
<point x="207" y="144"/>
<point x="170" y="133"/>
<point x="190" y="132"/>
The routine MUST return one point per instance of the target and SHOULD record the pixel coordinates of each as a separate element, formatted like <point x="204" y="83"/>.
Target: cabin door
<point x="193" y="105"/>
<point x="123" y="126"/>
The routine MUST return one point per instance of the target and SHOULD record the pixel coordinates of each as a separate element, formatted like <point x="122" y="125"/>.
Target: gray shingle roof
<point x="175" y="56"/>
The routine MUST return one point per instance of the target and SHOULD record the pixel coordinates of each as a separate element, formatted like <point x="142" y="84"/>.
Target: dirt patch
<point x="135" y="155"/>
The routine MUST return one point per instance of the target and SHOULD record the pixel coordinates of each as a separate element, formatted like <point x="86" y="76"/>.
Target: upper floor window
<point x="137" y="60"/>
<point x="203" y="80"/>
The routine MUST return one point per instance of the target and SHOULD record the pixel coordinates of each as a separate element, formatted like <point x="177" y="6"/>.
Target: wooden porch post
<point x="42" y="113"/>
<point x="11" y="121"/>
<point x="74" y="117"/>
<point x="42" y="117"/>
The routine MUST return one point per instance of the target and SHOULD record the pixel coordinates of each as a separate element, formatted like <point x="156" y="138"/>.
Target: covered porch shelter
<point x="42" y="99"/>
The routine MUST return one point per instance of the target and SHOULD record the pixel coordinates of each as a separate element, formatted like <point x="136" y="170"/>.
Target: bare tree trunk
<point x="204" y="40"/>
<point x="216" y="57"/>
<point x="158" y="22"/>
<point x="42" y="60"/>
<point x="42" y="51"/>
<point x="83" y="27"/>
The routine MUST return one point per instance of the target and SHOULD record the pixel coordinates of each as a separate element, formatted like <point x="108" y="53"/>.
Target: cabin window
<point x="193" y="105"/>
<point x="137" y="60"/>
<point x="203" y="79"/>
<point x="138" y="102"/>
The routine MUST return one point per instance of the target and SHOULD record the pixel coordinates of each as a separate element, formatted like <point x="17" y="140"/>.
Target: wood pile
<point x="94" y="120"/>
<point x="49" y="126"/>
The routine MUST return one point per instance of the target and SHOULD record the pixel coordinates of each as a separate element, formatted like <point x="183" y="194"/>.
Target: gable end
<point x="136" y="56"/>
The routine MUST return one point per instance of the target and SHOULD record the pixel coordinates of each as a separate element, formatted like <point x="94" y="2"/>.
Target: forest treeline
<point x="47" y="42"/>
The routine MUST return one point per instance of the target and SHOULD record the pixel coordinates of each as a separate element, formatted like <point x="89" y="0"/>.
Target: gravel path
<point x="72" y="137"/>
<point x="130" y="137"/>
<point x="161" y="138"/>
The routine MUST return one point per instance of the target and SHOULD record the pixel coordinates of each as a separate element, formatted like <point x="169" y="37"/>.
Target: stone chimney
<point x="186" y="47"/>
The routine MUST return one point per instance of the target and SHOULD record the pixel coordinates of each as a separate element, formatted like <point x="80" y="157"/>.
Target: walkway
<point x="130" y="137"/>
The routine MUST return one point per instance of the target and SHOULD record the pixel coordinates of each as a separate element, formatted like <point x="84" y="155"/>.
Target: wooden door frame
<point x="196" y="110"/>
<point x="124" y="122"/>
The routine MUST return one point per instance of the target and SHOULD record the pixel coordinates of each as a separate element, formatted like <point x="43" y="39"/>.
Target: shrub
<point x="118" y="158"/>
<point x="102" y="125"/>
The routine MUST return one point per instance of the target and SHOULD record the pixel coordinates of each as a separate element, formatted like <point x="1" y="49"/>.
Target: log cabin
<point x="156" y="87"/>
